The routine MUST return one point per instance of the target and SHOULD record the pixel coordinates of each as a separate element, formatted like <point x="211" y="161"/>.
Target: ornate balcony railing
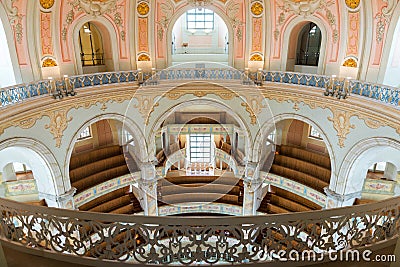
<point x="383" y="93"/>
<point x="66" y="86"/>
<point x="184" y="241"/>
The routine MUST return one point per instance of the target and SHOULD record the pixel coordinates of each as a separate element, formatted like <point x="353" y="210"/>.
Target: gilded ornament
<point x="257" y="9"/>
<point x="143" y="57"/>
<point x="256" y="57"/>
<point x="49" y="62"/>
<point x="352" y="4"/>
<point x="351" y="62"/>
<point x="47" y="4"/>
<point x="143" y="8"/>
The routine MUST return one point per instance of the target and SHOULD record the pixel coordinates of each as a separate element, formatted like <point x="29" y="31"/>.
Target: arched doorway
<point x="91" y="45"/>
<point x="96" y="46"/>
<point x="305" y="47"/>
<point x="308" y="45"/>
<point x="199" y="35"/>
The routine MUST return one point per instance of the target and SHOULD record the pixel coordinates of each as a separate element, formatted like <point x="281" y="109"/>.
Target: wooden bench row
<point x="305" y="155"/>
<point x="196" y="197"/>
<point x="303" y="166"/>
<point x="100" y="177"/>
<point x="300" y="177"/>
<point x="104" y="198"/>
<point x="85" y="158"/>
<point x="288" y="204"/>
<point x="296" y="198"/>
<point x="227" y="180"/>
<point x="96" y="167"/>
<point x="199" y="188"/>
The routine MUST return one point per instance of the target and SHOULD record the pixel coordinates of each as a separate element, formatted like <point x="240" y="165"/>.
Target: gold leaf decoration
<point x="352" y="4"/>
<point x="342" y="125"/>
<point x="58" y="124"/>
<point x="256" y="57"/>
<point x="49" y="62"/>
<point x="144" y="57"/>
<point x="47" y="4"/>
<point x="143" y="8"/>
<point x="257" y="9"/>
<point x="351" y="62"/>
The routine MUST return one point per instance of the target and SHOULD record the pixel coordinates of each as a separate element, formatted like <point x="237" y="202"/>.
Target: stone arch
<point x="269" y="125"/>
<point x="359" y="158"/>
<point x="10" y="43"/>
<point x="128" y="123"/>
<point x="296" y="25"/>
<point x="44" y="166"/>
<point x="218" y="11"/>
<point x="106" y="29"/>
<point x="211" y="102"/>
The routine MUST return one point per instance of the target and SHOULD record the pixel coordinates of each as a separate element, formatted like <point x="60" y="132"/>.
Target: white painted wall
<point x="7" y="76"/>
<point x="392" y="75"/>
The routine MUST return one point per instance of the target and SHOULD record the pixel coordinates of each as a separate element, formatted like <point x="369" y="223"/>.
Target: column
<point x="252" y="189"/>
<point x="64" y="201"/>
<point x="390" y="171"/>
<point x="148" y="188"/>
<point x="335" y="200"/>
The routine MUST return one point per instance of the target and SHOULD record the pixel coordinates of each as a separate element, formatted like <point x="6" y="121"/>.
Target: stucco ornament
<point x="95" y="8"/>
<point x="383" y="19"/>
<point x="47" y="4"/>
<point x="167" y="10"/>
<point x="15" y="18"/>
<point x="303" y="8"/>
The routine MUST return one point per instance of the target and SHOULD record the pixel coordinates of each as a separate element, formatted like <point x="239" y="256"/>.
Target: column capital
<point x="65" y="200"/>
<point x="251" y="171"/>
<point x="335" y="200"/>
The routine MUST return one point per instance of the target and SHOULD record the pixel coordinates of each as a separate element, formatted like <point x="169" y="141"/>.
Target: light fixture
<point x="338" y="87"/>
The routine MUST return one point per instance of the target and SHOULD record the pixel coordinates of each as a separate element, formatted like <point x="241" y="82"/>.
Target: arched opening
<point x="301" y="154"/>
<point x="305" y="50"/>
<point x="95" y="46"/>
<point x="30" y="172"/>
<point x="367" y="160"/>
<point x="308" y="45"/>
<point x="200" y="35"/>
<point x="392" y="76"/>
<point x="102" y="164"/>
<point x="91" y="45"/>
<point x="7" y="75"/>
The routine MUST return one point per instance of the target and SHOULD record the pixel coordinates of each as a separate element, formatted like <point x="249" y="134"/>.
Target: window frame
<point x="200" y="138"/>
<point x="81" y="138"/>
<point x="200" y="17"/>
<point x="313" y="136"/>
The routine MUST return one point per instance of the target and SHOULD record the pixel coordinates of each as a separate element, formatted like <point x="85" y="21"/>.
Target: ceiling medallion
<point x="257" y="8"/>
<point x="143" y="8"/>
<point x="352" y="4"/>
<point x="46" y="4"/>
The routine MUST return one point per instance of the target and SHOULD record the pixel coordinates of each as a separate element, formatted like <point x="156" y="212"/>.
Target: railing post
<point x="252" y="184"/>
<point x="148" y="188"/>
<point x="56" y="92"/>
<point x="69" y="90"/>
<point x="140" y="76"/>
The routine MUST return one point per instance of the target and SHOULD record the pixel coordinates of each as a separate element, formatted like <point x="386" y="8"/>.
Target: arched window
<point x="92" y="53"/>
<point x="309" y="44"/>
<point x="7" y="76"/>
